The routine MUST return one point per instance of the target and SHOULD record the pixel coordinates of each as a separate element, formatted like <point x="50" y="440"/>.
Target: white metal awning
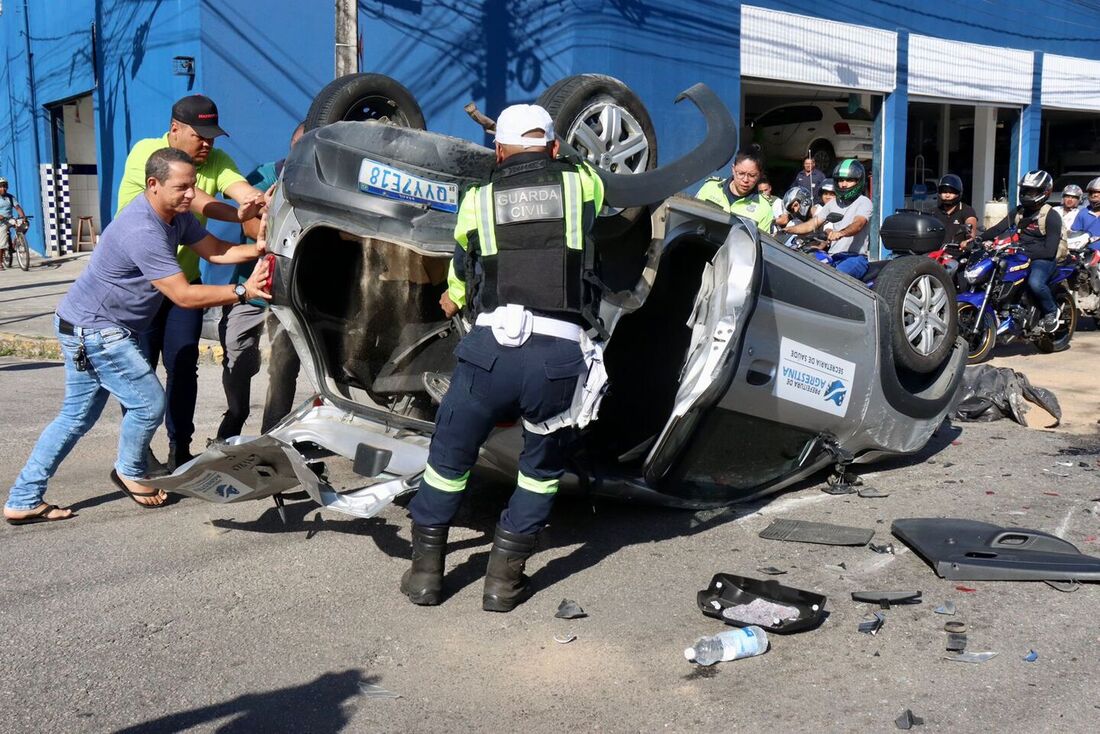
<point x="969" y="72"/>
<point x="1069" y="83"/>
<point x="805" y="50"/>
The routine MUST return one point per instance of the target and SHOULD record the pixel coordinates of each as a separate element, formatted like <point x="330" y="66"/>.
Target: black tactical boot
<point x="423" y="582"/>
<point x="505" y="582"/>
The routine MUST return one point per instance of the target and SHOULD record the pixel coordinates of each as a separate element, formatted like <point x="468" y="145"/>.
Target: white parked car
<point x="823" y="129"/>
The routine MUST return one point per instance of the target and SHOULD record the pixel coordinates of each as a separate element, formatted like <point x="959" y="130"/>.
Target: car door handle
<point x="760" y="372"/>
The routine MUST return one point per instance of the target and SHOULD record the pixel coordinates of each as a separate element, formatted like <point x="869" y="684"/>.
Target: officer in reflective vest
<point x="737" y="194"/>
<point x="525" y="272"/>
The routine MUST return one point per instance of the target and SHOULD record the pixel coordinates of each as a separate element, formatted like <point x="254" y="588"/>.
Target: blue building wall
<point x="263" y="63"/>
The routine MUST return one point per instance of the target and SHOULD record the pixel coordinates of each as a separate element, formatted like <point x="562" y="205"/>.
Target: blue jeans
<point x="174" y="336"/>
<point x="853" y="265"/>
<point x="115" y="367"/>
<point x="1041" y="270"/>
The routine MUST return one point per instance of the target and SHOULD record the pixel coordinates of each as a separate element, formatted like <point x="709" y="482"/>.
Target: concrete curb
<point x="39" y="347"/>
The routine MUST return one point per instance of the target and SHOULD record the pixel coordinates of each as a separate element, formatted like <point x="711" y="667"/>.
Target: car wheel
<point x="606" y="123"/>
<point x="921" y="300"/>
<point x="822" y="153"/>
<point x="979" y="331"/>
<point x="361" y="97"/>
<point x="1067" y="325"/>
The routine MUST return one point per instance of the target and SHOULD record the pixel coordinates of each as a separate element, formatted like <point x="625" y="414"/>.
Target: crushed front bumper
<point x="253" y="468"/>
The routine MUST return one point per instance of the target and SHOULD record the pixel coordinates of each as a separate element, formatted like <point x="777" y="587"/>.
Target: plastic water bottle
<point x="733" y="644"/>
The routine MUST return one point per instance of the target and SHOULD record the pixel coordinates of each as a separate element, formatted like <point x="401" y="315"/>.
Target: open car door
<point x="724" y="304"/>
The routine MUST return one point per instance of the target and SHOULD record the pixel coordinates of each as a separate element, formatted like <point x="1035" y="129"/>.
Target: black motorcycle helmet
<point x="951" y="183"/>
<point x="850" y="168"/>
<point x="1035" y="188"/>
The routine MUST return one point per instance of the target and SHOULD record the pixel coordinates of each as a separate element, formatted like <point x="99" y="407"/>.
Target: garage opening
<point x="1069" y="147"/>
<point x="790" y="122"/>
<point x="974" y="143"/>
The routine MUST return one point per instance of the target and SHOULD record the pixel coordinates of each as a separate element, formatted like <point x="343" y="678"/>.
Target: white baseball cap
<point x="518" y="119"/>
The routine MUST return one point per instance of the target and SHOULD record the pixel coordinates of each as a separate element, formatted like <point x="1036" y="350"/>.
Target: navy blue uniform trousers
<point x="496" y="384"/>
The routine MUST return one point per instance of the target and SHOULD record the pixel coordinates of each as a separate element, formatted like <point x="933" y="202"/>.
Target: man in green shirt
<point x="174" y="335"/>
<point x="737" y="194"/>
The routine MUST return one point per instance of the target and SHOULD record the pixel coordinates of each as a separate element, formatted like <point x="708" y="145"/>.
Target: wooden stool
<point x="81" y="240"/>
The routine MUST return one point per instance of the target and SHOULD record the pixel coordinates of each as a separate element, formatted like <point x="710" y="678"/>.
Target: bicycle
<point x="18" y="250"/>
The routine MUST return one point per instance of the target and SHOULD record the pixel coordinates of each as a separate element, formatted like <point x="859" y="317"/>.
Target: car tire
<point x="824" y="156"/>
<point x="581" y="106"/>
<point x="1059" y="340"/>
<point x="979" y="342"/>
<point x="921" y="300"/>
<point x="362" y="97"/>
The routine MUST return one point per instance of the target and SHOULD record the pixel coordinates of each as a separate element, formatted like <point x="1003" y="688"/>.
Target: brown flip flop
<point x="42" y="515"/>
<point x="134" y="495"/>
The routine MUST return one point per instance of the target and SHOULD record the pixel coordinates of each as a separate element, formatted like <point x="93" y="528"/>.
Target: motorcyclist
<point x="1072" y="196"/>
<point x="953" y="213"/>
<point x="848" y="239"/>
<point x="1040" y="229"/>
<point x="1088" y="217"/>
<point x="828" y="193"/>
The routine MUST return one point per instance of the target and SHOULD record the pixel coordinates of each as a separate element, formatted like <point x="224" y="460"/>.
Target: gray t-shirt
<point x="136" y="248"/>
<point x="857" y="244"/>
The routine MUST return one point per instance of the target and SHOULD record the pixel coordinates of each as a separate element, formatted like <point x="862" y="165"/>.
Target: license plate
<point x="382" y="180"/>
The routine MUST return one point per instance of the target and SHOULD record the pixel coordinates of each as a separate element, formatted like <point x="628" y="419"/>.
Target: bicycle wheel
<point x="9" y="252"/>
<point x="22" y="252"/>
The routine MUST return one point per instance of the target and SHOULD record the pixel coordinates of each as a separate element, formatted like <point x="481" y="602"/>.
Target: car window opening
<point x="372" y="306"/>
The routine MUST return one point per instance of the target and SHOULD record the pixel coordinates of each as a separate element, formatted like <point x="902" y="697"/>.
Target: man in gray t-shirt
<point x="847" y="237"/>
<point x="132" y="270"/>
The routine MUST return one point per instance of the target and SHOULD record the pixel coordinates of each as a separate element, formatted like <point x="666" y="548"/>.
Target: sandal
<point x="134" y="495"/>
<point x="41" y="515"/>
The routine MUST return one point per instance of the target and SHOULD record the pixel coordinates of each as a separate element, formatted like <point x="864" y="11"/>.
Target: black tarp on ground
<point x="990" y="393"/>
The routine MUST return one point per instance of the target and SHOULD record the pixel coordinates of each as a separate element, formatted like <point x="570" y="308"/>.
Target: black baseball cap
<point x="200" y="112"/>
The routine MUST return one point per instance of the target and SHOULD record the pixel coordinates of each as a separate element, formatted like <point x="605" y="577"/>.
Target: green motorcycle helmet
<point x="850" y="168"/>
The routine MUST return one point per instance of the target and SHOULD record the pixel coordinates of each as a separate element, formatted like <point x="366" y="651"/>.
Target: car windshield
<point x="859" y="114"/>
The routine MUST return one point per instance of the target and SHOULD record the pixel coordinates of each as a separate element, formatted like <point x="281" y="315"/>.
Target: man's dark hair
<point x="749" y="155"/>
<point x="160" y="163"/>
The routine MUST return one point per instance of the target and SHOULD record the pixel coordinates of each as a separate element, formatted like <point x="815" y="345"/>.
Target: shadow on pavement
<point x="24" y="366"/>
<point x="317" y="707"/>
<point x="42" y="284"/>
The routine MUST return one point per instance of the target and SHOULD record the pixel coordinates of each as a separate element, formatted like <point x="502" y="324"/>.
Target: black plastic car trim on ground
<point x="968" y="550"/>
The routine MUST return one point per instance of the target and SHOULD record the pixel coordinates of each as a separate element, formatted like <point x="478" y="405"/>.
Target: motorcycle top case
<point x="911" y="231"/>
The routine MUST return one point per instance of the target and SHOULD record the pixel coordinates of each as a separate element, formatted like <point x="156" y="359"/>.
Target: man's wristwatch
<point x="241" y="293"/>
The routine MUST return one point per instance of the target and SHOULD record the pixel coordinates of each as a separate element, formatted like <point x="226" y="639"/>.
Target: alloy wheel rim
<point x="612" y="139"/>
<point x="925" y="315"/>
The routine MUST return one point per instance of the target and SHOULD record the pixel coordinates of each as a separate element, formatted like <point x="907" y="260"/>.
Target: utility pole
<point x="347" y="25"/>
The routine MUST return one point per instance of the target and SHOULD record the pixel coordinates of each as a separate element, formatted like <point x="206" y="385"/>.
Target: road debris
<point x="800" y="531"/>
<point x="564" y="639"/>
<point x="1031" y="656"/>
<point x="771" y="571"/>
<point x="872" y="626"/>
<point x="908" y="720"/>
<point x="970" y="657"/>
<point x="870" y="493"/>
<point x="884" y="548"/>
<point x="372" y="691"/>
<point x="948" y="607"/>
<point x="569" y="609"/>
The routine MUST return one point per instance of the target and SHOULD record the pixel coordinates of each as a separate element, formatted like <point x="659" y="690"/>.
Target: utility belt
<point x="513" y="325"/>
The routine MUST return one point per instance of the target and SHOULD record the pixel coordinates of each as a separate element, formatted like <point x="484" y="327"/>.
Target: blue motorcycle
<point x="997" y="306"/>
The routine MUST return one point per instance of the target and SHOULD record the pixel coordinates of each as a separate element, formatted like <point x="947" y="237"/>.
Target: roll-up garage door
<point x="969" y="72"/>
<point x="1070" y="83"/>
<point x="804" y="50"/>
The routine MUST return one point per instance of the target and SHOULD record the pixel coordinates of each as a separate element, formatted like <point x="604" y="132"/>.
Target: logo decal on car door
<point x="813" y="378"/>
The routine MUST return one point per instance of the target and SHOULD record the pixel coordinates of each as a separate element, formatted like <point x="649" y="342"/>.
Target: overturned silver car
<point x="736" y="365"/>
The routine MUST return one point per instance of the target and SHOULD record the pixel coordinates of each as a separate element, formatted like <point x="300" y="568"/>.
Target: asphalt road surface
<point x="218" y="618"/>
